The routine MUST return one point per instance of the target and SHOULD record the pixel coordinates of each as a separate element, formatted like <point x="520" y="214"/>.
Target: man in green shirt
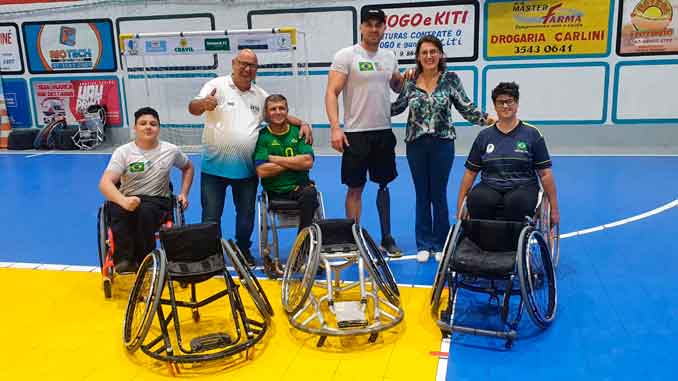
<point x="283" y="160"/>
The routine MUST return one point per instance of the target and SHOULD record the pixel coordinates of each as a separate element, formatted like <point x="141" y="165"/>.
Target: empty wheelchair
<point x="503" y="259"/>
<point x="106" y="240"/>
<point x="273" y="215"/>
<point x="331" y="306"/>
<point x="91" y="129"/>
<point x="189" y="255"/>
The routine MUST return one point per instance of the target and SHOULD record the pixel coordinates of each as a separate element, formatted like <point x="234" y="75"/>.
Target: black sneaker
<point x="249" y="259"/>
<point x="125" y="267"/>
<point x="389" y="245"/>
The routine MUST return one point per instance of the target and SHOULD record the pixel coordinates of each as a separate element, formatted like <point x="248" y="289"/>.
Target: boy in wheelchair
<point x="140" y="204"/>
<point x="283" y="160"/>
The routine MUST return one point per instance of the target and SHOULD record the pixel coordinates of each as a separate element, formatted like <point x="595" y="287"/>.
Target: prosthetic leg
<point x="384" y="209"/>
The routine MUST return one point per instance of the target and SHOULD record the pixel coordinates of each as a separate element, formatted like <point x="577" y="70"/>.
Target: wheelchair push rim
<point x="302" y="265"/>
<point x="537" y="277"/>
<point x="377" y="266"/>
<point x="144" y="299"/>
<point x="248" y="279"/>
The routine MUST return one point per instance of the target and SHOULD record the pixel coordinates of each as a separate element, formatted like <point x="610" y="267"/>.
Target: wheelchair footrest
<point x="350" y="314"/>
<point x="210" y="342"/>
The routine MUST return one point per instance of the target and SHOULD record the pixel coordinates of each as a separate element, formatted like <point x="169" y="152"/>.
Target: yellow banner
<point x="547" y="28"/>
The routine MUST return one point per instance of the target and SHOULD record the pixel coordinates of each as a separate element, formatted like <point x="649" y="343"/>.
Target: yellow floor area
<point x="56" y="325"/>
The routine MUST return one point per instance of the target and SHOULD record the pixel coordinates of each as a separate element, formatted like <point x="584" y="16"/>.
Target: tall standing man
<point x="365" y="74"/>
<point x="235" y="107"/>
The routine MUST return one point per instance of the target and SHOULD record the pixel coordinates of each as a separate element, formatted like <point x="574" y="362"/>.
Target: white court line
<point x="40" y="154"/>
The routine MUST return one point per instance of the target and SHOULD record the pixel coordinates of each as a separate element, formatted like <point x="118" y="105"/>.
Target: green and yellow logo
<point x="521" y="146"/>
<point x="183" y="47"/>
<point x="137" y="167"/>
<point x="366" y="66"/>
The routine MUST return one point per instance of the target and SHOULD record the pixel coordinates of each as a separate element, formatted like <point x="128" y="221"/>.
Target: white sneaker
<point x="422" y="255"/>
<point x="438" y="255"/>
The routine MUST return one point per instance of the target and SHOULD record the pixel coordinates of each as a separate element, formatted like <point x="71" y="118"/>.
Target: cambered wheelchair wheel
<point x="537" y="276"/>
<point x="443" y="266"/>
<point x="248" y="279"/>
<point x="377" y="266"/>
<point x="300" y="270"/>
<point x="144" y="299"/>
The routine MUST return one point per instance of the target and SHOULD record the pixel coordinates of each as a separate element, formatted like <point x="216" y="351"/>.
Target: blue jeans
<point x="430" y="159"/>
<point x="213" y="196"/>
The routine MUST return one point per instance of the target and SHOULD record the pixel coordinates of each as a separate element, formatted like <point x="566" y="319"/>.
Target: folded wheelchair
<point x="106" y="240"/>
<point x="503" y="259"/>
<point x="189" y="255"/>
<point x="331" y="306"/>
<point x="273" y="215"/>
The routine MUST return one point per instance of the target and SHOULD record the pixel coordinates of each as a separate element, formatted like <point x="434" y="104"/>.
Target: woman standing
<point x="430" y="135"/>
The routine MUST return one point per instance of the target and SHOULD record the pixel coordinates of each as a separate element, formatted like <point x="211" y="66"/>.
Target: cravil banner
<point x="648" y="27"/>
<point x="547" y="28"/>
<point x="454" y="23"/>
<point x="76" y="46"/>
<point x="70" y="97"/>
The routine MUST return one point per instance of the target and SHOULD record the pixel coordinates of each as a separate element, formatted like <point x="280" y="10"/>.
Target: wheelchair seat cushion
<point x="193" y="250"/>
<point x="493" y="235"/>
<point x="471" y="259"/>
<point x="337" y="235"/>
<point x="282" y="205"/>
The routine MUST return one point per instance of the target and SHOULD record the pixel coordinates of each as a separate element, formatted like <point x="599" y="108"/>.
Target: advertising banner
<point x="10" y="50"/>
<point x="547" y="29"/>
<point x="76" y="46"/>
<point x="16" y="100"/>
<point x="455" y="23"/>
<point x="647" y="27"/>
<point x="70" y="97"/>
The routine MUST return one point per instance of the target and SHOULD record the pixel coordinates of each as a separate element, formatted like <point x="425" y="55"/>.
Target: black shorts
<point x="369" y="150"/>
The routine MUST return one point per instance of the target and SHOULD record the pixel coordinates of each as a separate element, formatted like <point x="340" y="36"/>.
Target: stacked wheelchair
<point x="189" y="255"/>
<point x="504" y="259"/>
<point x="106" y="240"/>
<point x="329" y="306"/>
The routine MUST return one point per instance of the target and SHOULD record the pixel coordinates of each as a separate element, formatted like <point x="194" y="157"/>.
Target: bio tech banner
<point x="547" y="28"/>
<point x="648" y="27"/>
<point x="10" y="50"/>
<point x="70" y="98"/>
<point x="456" y="25"/>
<point x="76" y="46"/>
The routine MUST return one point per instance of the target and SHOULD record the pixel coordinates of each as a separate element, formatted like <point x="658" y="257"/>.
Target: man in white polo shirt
<point x="366" y="75"/>
<point x="235" y="108"/>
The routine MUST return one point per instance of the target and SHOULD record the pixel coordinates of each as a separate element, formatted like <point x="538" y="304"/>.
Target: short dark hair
<point x="146" y="111"/>
<point x="506" y="88"/>
<point x="274" y="98"/>
<point x="438" y="44"/>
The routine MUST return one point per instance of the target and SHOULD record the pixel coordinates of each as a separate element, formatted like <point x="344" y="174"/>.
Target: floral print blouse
<point x="432" y="114"/>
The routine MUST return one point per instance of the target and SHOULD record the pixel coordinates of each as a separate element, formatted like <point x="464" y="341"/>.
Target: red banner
<point x="70" y="99"/>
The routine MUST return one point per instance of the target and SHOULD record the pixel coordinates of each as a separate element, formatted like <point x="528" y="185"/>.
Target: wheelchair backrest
<point x="191" y="243"/>
<point x="492" y="235"/>
<point x="336" y="231"/>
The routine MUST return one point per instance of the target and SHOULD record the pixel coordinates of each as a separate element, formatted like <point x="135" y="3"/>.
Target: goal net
<point x="167" y="70"/>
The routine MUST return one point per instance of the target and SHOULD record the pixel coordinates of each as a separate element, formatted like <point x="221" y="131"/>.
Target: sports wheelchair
<point x="332" y="307"/>
<point x="106" y="241"/>
<point x="274" y="214"/>
<point x="189" y="255"/>
<point x="91" y="129"/>
<point x="502" y="259"/>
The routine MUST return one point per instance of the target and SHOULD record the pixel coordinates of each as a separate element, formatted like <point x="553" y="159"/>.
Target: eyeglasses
<point x="505" y="102"/>
<point x="431" y="53"/>
<point x="252" y="66"/>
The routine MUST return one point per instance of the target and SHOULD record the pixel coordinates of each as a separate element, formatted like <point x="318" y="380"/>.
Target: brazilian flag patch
<point x="521" y="146"/>
<point x="366" y="66"/>
<point x="136" y="167"/>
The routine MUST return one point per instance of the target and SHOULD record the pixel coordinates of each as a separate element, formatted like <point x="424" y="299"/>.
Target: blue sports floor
<point x="617" y="314"/>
